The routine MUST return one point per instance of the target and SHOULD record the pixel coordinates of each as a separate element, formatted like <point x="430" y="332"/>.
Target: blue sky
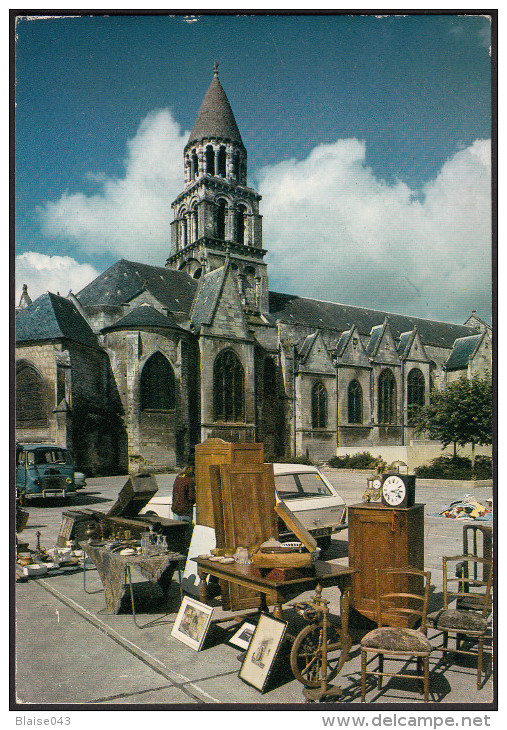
<point x="368" y="138"/>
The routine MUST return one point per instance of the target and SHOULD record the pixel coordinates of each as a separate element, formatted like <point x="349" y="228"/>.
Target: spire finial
<point x="215" y="69"/>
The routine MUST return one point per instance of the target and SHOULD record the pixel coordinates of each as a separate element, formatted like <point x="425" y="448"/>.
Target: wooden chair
<point x="392" y="640"/>
<point x="469" y="619"/>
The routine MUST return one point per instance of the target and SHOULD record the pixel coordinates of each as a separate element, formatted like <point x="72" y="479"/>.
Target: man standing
<point x="184" y="495"/>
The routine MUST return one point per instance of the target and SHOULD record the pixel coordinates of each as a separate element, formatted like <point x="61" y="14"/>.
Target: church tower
<point x="216" y="217"/>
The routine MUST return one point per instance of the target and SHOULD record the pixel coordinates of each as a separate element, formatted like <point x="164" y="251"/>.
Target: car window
<point x="49" y="456"/>
<point x="286" y="486"/>
<point x="312" y="485"/>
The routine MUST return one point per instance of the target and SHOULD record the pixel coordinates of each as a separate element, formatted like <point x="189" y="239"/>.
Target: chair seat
<point x="453" y="619"/>
<point x="388" y="638"/>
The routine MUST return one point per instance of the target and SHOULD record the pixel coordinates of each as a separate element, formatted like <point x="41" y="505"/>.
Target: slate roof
<point x="206" y="300"/>
<point x="463" y="348"/>
<point x="51" y="317"/>
<point x="142" y="317"/>
<point x="307" y="345"/>
<point x="126" y="279"/>
<point x="292" y="309"/>
<point x="215" y="118"/>
<point x="376" y="334"/>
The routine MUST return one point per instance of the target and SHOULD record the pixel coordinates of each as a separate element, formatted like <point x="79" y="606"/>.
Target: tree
<point x="461" y="413"/>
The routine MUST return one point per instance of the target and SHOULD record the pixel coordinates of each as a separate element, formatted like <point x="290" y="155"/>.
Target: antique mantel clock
<point x="398" y="490"/>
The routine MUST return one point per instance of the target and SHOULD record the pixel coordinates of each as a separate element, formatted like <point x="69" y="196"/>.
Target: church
<point x="146" y="361"/>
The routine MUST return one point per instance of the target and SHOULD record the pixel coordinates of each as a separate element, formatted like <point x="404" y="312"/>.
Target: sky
<point x="369" y="139"/>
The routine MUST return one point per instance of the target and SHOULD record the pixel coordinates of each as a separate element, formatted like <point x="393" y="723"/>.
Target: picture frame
<point x="243" y="636"/>
<point x="262" y="651"/>
<point x="192" y="623"/>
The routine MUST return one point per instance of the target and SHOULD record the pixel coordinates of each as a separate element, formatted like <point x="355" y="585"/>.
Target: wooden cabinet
<point x="218" y="451"/>
<point x="381" y="537"/>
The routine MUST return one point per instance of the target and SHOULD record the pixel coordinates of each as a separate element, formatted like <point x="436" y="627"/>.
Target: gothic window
<point x="228" y="388"/>
<point x="241" y="224"/>
<point x="157" y="384"/>
<point x="415" y="394"/>
<point x="210" y="160"/>
<point x="221" y="161"/>
<point x="31" y="397"/>
<point x="319" y="406"/>
<point x="194" y="166"/>
<point x="221" y="215"/>
<point x="355" y="402"/>
<point x="386" y="397"/>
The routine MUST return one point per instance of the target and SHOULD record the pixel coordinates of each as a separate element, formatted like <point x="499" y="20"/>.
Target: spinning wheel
<point x="319" y="651"/>
<point x="306" y="657"/>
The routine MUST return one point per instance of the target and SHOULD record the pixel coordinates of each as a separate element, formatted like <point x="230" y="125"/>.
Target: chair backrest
<point x="465" y="586"/>
<point x="402" y="596"/>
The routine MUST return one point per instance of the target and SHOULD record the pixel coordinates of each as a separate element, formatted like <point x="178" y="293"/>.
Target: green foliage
<point x="456" y="467"/>
<point x="362" y="460"/>
<point x="461" y="413"/>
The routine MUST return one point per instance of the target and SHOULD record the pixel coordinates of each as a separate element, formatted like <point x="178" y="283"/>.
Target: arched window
<point x="31" y="397"/>
<point x="157" y="384"/>
<point x="210" y="160"/>
<point x="221" y="162"/>
<point x="319" y="406"/>
<point x="241" y="224"/>
<point x="415" y="394"/>
<point x="386" y="397"/>
<point x="355" y="402"/>
<point x="193" y="226"/>
<point x="221" y="215"/>
<point x="194" y="166"/>
<point x="228" y="388"/>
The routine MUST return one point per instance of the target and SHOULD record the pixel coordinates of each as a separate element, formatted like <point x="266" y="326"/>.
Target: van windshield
<point x="297" y="486"/>
<point x="48" y="456"/>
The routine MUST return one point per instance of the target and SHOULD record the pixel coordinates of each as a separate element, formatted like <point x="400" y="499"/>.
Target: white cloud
<point x="333" y="229"/>
<point x="336" y="232"/>
<point x="129" y="217"/>
<point x="50" y="273"/>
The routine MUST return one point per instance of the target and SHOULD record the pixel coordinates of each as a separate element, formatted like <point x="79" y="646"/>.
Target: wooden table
<point x="279" y="592"/>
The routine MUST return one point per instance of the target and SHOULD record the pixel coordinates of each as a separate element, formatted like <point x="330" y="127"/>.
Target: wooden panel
<point x="249" y="518"/>
<point x="296" y="527"/>
<point x="215" y="452"/>
<point x="380" y="537"/>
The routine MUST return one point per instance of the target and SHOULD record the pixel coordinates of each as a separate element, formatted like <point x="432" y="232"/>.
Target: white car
<point x="312" y="498"/>
<point x="305" y="491"/>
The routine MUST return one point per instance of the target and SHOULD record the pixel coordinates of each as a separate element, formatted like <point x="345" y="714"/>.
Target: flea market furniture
<point x="217" y="451"/>
<point x="466" y="625"/>
<point x="244" y="514"/>
<point x="115" y="572"/>
<point x="478" y="541"/>
<point x="319" y="650"/>
<point x="381" y="537"/>
<point x="389" y="639"/>
<point x="275" y="591"/>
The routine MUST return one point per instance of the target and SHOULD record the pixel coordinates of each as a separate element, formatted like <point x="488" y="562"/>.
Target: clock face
<point x="376" y="484"/>
<point x="393" y="490"/>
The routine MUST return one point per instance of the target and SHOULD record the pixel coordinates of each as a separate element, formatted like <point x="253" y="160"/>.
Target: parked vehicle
<point x="313" y="499"/>
<point x="305" y="491"/>
<point x="44" y="470"/>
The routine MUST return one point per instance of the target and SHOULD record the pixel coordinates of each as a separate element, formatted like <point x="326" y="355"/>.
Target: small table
<point x="278" y="592"/>
<point x="114" y="570"/>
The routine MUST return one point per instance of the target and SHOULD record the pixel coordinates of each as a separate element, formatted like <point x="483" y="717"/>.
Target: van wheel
<point x="324" y="543"/>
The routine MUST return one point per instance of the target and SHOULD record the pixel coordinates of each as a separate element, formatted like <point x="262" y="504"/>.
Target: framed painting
<point x="262" y="651"/>
<point x="192" y="623"/>
<point x="243" y="636"/>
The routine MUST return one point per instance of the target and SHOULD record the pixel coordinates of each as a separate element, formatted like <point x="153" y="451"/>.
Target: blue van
<point x="44" y="470"/>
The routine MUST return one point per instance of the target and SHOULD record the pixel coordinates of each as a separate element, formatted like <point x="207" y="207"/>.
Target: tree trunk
<point x="473" y="458"/>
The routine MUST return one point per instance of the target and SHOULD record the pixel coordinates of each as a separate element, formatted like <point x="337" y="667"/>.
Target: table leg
<point x="277" y="611"/>
<point x="203" y="586"/>
<point x="345" y="586"/>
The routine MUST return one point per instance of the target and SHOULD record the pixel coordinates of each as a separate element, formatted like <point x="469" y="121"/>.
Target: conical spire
<point x="215" y="118"/>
